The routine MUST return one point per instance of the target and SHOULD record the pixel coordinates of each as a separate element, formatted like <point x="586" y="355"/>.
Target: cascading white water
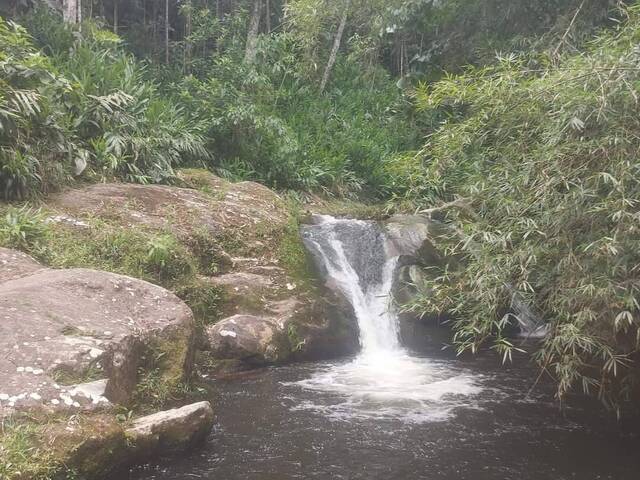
<point x="371" y="302"/>
<point x="384" y="381"/>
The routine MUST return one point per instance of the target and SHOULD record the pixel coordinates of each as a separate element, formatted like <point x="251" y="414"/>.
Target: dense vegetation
<point x="542" y="163"/>
<point x="520" y="115"/>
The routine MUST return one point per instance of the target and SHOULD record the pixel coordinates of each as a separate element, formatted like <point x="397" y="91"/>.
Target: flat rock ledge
<point x="101" y="448"/>
<point x="73" y="340"/>
<point x="171" y="431"/>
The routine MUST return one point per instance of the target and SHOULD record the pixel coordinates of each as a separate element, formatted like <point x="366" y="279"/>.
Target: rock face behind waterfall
<point x="362" y="243"/>
<point x="353" y="258"/>
<point x="414" y="238"/>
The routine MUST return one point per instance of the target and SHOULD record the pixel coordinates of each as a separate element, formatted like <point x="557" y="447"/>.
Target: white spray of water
<point x="384" y="381"/>
<point x="378" y="327"/>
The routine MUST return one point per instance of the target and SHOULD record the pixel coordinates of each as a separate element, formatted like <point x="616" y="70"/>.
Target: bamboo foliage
<point x="547" y="158"/>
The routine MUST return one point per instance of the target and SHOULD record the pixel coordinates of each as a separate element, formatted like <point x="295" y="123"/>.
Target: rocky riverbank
<point x="130" y="297"/>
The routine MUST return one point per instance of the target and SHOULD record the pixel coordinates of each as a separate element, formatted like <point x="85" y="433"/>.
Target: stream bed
<point x="476" y="422"/>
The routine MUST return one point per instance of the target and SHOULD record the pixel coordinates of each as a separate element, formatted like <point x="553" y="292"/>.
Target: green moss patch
<point x="58" y="448"/>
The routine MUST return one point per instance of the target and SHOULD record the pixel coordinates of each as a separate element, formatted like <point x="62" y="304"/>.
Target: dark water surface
<point x="269" y="427"/>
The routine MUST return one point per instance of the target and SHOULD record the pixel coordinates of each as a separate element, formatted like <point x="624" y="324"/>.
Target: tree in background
<point x="252" y="33"/>
<point x="72" y="11"/>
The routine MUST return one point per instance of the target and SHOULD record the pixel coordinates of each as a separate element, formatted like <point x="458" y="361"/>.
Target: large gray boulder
<point x="251" y="339"/>
<point x="61" y="328"/>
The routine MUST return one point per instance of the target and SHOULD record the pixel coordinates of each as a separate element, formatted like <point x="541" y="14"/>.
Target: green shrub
<point x="547" y="162"/>
<point x="22" y="228"/>
<point x="85" y="109"/>
<point x="203" y="298"/>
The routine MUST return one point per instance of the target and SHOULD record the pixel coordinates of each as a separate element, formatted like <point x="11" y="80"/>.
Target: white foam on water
<point x="384" y="381"/>
<point x="415" y="390"/>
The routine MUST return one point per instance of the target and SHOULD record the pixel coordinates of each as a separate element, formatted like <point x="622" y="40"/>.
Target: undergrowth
<point x="542" y="165"/>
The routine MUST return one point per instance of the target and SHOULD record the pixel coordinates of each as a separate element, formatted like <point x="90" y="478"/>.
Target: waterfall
<point x="354" y="255"/>
<point x="384" y="380"/>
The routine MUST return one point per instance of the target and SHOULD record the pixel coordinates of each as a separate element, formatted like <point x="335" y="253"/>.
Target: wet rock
<point x="411" y="237"/>
<point x="97" y="446"/>
<point x="171" y="431"/>
<point x="414" y="239"/>
<point x="252" y="339"/>
<point x="334" y="334"/>
<point x="59" y="328"/>
<point x="409" y="277"/>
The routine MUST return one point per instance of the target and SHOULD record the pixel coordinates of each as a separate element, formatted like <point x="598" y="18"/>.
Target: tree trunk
<point x="115" y="17"/>
<point x="252" y="36"/>
<point x="166" y="32"/>
<point x="336" y="47"/>
<point x="268" y="15"/>
<point x="70" y="11"/>
<point x="187" y="38"/>
<point x="154" y="14"/>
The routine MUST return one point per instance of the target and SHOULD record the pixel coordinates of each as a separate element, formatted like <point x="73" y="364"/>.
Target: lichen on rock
<point x="78" y="324"/>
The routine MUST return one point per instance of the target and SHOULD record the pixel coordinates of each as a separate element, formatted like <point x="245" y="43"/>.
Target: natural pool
<point x="282" y="423"/>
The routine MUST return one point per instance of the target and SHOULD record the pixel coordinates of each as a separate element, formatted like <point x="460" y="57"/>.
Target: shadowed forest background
<point x="515" y="119"/>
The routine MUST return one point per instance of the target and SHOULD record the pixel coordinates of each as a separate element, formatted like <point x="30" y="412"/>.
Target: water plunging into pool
<point x="384" y="380"/>
<point x="391" y="414"/>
